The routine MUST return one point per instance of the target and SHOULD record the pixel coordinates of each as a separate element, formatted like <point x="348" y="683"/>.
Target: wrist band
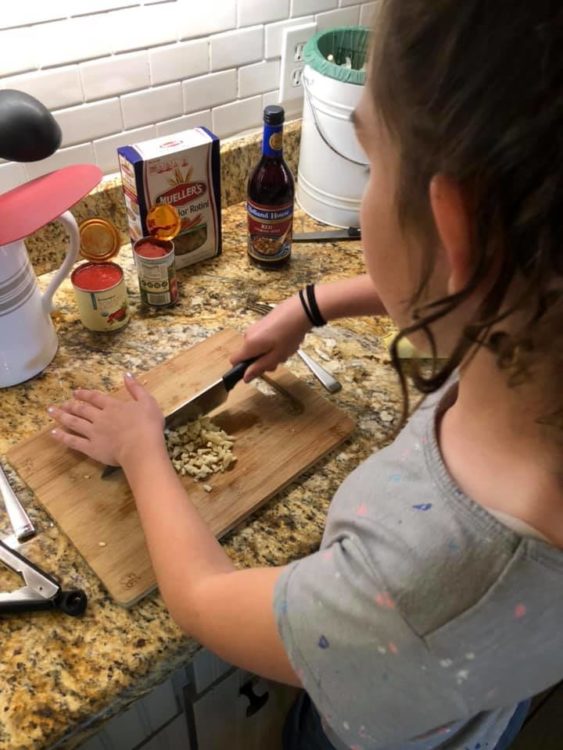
<point x="307" y="311"/>
<point x="316" y="316"/>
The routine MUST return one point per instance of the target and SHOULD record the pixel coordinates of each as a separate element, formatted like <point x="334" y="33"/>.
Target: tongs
<point x="41" y="591"/>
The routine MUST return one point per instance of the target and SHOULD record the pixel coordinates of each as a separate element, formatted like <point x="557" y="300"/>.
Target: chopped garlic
<point x="199" y="449"/>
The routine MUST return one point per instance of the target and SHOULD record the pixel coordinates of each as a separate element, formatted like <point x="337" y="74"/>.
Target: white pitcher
<point x="28" y="341"/>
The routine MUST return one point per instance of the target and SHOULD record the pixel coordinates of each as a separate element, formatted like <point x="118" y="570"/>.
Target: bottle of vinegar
<point x="270" y="198"/>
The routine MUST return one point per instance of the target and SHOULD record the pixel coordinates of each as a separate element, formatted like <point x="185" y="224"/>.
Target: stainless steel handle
<point x="22" y="526"/>
<point x="331" y="384"/>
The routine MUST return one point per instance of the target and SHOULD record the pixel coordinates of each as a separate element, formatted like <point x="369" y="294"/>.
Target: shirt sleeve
<point x="355" y="655"/>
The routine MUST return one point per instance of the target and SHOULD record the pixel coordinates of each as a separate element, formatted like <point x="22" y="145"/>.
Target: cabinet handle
<point x="256" y="702"/>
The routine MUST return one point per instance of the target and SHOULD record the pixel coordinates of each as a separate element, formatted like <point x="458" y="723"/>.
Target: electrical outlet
<point x="293" y="43"/>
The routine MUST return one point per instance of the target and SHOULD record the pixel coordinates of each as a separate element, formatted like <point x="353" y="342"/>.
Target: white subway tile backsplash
<point x="11" y="175"/>
<point x="64" y="157"/>
<point x="196" y="120"/>
<point x="55" y="88"/>
<point x="16" y="54"/>
<point x="64" y="42"/>
<point x="261" y="11"/>
<point x="27" y="13"/>
<point x="138" y="28"/>
<point x="207" y="91"/>
<point x="84" y="7"/>
<point x="274" y="34"/>
<point x="255" y="79"/>
<point x="115" y="75"/>
<point x="367" y="13"/>
<point x="105" y="149"/>
<point x="178" y="61"/>
<point x="160" y="103"/>
<point x="237" y="47"/>
<point x="341" y="17"/>
<point x="237" y="116"/>
<point x="199" y="19"/>
<point x="89" y="121"/>
<point x="118" y="71"/>
<point x="301" y="7"/>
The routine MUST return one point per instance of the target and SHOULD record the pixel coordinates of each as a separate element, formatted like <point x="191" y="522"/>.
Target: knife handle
<point x="236" y="373"/>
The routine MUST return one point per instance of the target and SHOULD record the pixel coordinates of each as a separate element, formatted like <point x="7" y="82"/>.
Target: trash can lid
<point x="339" y="53"/>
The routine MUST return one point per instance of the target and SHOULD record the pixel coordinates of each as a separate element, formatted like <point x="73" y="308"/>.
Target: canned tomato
<point x="154" y="260"/>
<point x="101" y="296"/>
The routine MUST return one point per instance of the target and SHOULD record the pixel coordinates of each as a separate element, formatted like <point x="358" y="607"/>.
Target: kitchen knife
<point x="202" y="403"/>
<point x="331" y="235"/>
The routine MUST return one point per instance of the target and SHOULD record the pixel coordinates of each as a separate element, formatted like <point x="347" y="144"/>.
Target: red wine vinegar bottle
<point x="270" y="199"/>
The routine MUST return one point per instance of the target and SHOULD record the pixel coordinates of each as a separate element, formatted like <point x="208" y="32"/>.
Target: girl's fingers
<point x="95" y="398"/>
<point x="75" y="442"/>
<point x="135" y="389"/>
<point x="76" y="424"/>
<point x="82" y="409"/>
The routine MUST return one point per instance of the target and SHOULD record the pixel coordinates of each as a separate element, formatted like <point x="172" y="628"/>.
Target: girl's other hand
<point x="108" y="429"/>
<point x="276" y="337"/>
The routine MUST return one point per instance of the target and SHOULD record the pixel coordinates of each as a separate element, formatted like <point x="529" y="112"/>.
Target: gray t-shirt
<point x="422" y="620"/>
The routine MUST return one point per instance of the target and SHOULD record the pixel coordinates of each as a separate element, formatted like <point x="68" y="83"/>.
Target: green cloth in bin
<point x="345" y="42"/>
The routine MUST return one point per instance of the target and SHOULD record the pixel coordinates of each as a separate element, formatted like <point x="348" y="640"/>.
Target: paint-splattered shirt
<point x="423" y="620"/>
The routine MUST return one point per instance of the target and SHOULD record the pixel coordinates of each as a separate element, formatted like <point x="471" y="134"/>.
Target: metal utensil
<point x="331" y="235"/>
<point x="202" y="403"/>
<point x="21" y="524"/>
<point x="41" y="590"/>
<point x="323" y="376"/>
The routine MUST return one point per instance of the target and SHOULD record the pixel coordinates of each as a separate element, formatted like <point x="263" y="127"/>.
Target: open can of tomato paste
<point x="154" y="259"/>
<point x="99" y="285"/>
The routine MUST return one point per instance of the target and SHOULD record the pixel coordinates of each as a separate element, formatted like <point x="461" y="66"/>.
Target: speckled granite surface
<point x="47" y="247"/>
<point x="61" y="676"/>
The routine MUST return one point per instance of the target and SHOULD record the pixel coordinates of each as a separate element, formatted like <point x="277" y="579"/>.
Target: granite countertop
<point x="62" y="677"/>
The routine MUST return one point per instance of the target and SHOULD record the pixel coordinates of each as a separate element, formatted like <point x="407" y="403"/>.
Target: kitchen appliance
<point x="27" y="335"/>
<point x="278" y="435"/>
<point x="28" y="132"/>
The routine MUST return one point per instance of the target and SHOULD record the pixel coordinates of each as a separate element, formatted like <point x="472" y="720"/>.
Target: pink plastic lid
<point x="28" y="207"/>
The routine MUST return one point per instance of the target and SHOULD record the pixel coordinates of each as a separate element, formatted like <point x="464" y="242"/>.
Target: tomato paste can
<point x="101" y="296"/>
<point x="154" y="260"/>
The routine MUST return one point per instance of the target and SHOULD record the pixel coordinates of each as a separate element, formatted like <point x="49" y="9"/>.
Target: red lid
<point x="28" y="207"/>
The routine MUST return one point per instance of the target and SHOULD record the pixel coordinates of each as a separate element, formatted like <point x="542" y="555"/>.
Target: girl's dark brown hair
<point x="473" y="89"/>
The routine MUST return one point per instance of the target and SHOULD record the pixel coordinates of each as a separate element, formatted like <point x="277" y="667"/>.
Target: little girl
<point x="434" y="608"/>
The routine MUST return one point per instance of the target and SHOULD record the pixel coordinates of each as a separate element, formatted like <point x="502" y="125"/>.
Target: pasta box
<point x="182" y="170"/>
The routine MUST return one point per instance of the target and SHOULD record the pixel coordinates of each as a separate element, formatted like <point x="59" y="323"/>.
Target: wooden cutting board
<point x="278" y="434"/>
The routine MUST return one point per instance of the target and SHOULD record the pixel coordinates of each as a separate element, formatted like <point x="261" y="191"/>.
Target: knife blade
<point x="330" y="235"/>
<point x="206" y="400"/>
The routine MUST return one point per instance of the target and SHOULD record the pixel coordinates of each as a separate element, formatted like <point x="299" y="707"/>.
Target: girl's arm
<point x="276" y="337"/>
<point x="227" y="610"/>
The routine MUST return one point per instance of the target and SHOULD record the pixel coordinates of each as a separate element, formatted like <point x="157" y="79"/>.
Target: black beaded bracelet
<point x="307" y="311"/>
<point x="316" y="316"/>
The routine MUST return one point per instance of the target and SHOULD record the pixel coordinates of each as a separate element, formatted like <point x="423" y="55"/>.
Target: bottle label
<point x="269" y="231"/>
<point x="272" y="142"/>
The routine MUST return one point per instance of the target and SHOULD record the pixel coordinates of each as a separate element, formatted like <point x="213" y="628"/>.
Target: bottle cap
<point x="99" y="240"/>
<point x="274" y="114"/>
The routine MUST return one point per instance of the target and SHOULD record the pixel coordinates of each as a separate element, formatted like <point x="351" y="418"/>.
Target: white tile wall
<point x="237" y="47"/>
<point x="56" y="88"/>
<point x="141" y="108"/>
<point x="119" y="71"/>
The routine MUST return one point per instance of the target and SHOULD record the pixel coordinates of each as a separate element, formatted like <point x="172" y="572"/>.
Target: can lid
<point x="99" y="239"/>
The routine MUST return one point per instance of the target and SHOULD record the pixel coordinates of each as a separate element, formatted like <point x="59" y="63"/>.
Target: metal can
<point x="154" y="260"/>
<point x="101" y="296"/>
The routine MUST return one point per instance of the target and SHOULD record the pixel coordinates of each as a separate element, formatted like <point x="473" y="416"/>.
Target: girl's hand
<point x="276" y="337"/>
<point x="108" y="429"/>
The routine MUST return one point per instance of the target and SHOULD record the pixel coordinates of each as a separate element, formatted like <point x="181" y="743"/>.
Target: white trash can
<point x="332" y="164"/>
